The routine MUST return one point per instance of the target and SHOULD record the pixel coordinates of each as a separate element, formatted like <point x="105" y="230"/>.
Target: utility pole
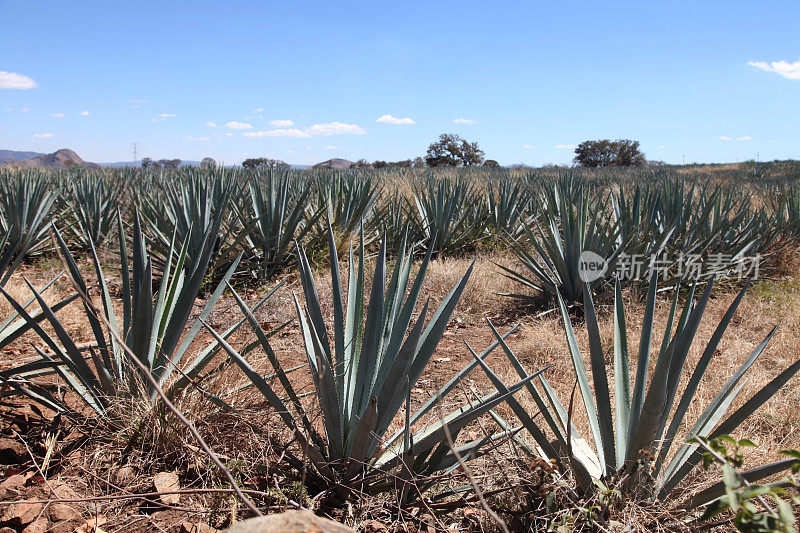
<point x="135" y="153"/>
<point x="683" y="156"/>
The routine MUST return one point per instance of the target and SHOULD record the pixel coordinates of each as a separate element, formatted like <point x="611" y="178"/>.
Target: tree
<point x="361" y="163"/>
<point x="606" y="153"/>
<point x="208" y="162"/>
<point x="453" y="151"/>
<point x="628" y="154"/>
<point x="169" y="163"/>
<point x="149" y="163"/>
<point x="491" y="163"/>
<point x="264" y="162"/>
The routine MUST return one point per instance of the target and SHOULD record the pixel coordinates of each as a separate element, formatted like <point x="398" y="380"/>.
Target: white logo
<point x="591" y="266"/>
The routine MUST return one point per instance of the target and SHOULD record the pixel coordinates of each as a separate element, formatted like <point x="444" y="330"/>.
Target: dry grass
<point x="249" y="439"/>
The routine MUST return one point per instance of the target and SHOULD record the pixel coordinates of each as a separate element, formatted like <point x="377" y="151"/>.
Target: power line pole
<point x="135" y="152"/>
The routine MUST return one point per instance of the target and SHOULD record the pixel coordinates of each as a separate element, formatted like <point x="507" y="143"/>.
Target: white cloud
<point x="781" y="68"/>
<point x="212" y="125"/>
<point x="234" y="125"/>
<point x="464" y="121"/>
<point x="528" y="147"/>
<point x="289" y="152"/>
<point x="330" y="128"/>
<point x="85" y="113"/>
<point x="336" y="128"/>
<point x="281" y="123"/>
<point x="43" y="135"/>
<point x="12" y="80"/>
<point x="192" y="138"/>
<point x="725" y="138"/>
<point x="57" y="115"/>
<point x="24" y="110"/>
<point x="164" y="116"/>
<point x="228" y="134"/>
<point x="744" y="138"/>
<point x="389" y="119"/>
<point x="288" y="132"/>
<point x="329" y="147"/>
<point x="259" y="110"/>
<point x="566" y="146"/>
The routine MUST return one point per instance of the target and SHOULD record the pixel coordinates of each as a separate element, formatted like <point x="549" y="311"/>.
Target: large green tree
<point x="453" y="151"/>
<point x="607" y="153"/>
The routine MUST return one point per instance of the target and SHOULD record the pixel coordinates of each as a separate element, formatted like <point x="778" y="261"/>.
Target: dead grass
<point x="250" y="439"/>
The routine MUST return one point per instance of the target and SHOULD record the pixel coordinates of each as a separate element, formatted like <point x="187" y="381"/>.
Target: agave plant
<point x="569" y="228"/>
<point x="25" y="202"/>
<point x="364" y="377"/>
<point x="279" y="220"/>
<point x="450" y="214"/>
<point x="152" y="329"/>
<point x="632" y="430"/>
<point x="94" y="204"/>
<point x="507" y="204"/>
<point x="349" y="200"/>
<point x="189" y="209"/>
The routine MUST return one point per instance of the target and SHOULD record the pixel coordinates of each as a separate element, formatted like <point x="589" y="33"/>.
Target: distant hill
<point x="335" y="163"/>
<point x="6" y="155"/>
<point x="63" y="158"/>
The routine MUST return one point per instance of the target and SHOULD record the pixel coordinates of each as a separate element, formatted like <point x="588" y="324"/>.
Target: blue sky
<point x="305" y="81"/>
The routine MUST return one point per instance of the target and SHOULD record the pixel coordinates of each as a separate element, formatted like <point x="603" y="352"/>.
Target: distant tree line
<point x="161" y="163"/>
<point x="264" y="162"/>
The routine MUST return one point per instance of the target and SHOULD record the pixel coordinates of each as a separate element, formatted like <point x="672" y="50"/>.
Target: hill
<point x="63" y="158"/>
<point x="6" y="155"/>
<point x="335" y="163"/>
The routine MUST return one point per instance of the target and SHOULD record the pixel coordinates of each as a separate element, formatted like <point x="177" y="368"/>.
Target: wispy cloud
<point x="566" y="146"/>
<point x="12" y="80"/>
<point x="528" y="146"/>
<point x="212" y="125"/>
<point x="389" y="119"/>
<point x="193" y="138"/>
<point x="740" y="139"/>
<point x="330" y="147"/>
<point x="287" y="132"/>
<point x="57" y="115"/>
<point x="165" y="116"/>
<point x="781" y="68"/>
<point x="725" y="138"/>
<point x="259" y="110"/>
<point x="234" y="125"/>
<point x="281" y="123"/>
<point x="330" y="128"/>
<point x="43" y="135"/>
<point x="464" y="121"/>
<point x="85" y="113"/>
<point x="744" y="138"/>
<point x="336" y="128"/>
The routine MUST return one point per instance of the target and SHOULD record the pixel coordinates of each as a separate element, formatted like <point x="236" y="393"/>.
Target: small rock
<point x="289" y="522"/>
<point x="12" y="486"/>
<point x="373" y="526"/>
<point x="38" y="526"/>
<point x="166" y="482"/>
<point x="61" y="511"/>
<point x="21" y="513"/>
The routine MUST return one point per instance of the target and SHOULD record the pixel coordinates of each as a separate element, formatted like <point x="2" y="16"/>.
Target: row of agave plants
<point x="548" y="222"/>
<point x="367" y="360"/>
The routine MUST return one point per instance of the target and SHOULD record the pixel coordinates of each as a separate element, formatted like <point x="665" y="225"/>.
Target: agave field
<point x="401" y="350"/>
